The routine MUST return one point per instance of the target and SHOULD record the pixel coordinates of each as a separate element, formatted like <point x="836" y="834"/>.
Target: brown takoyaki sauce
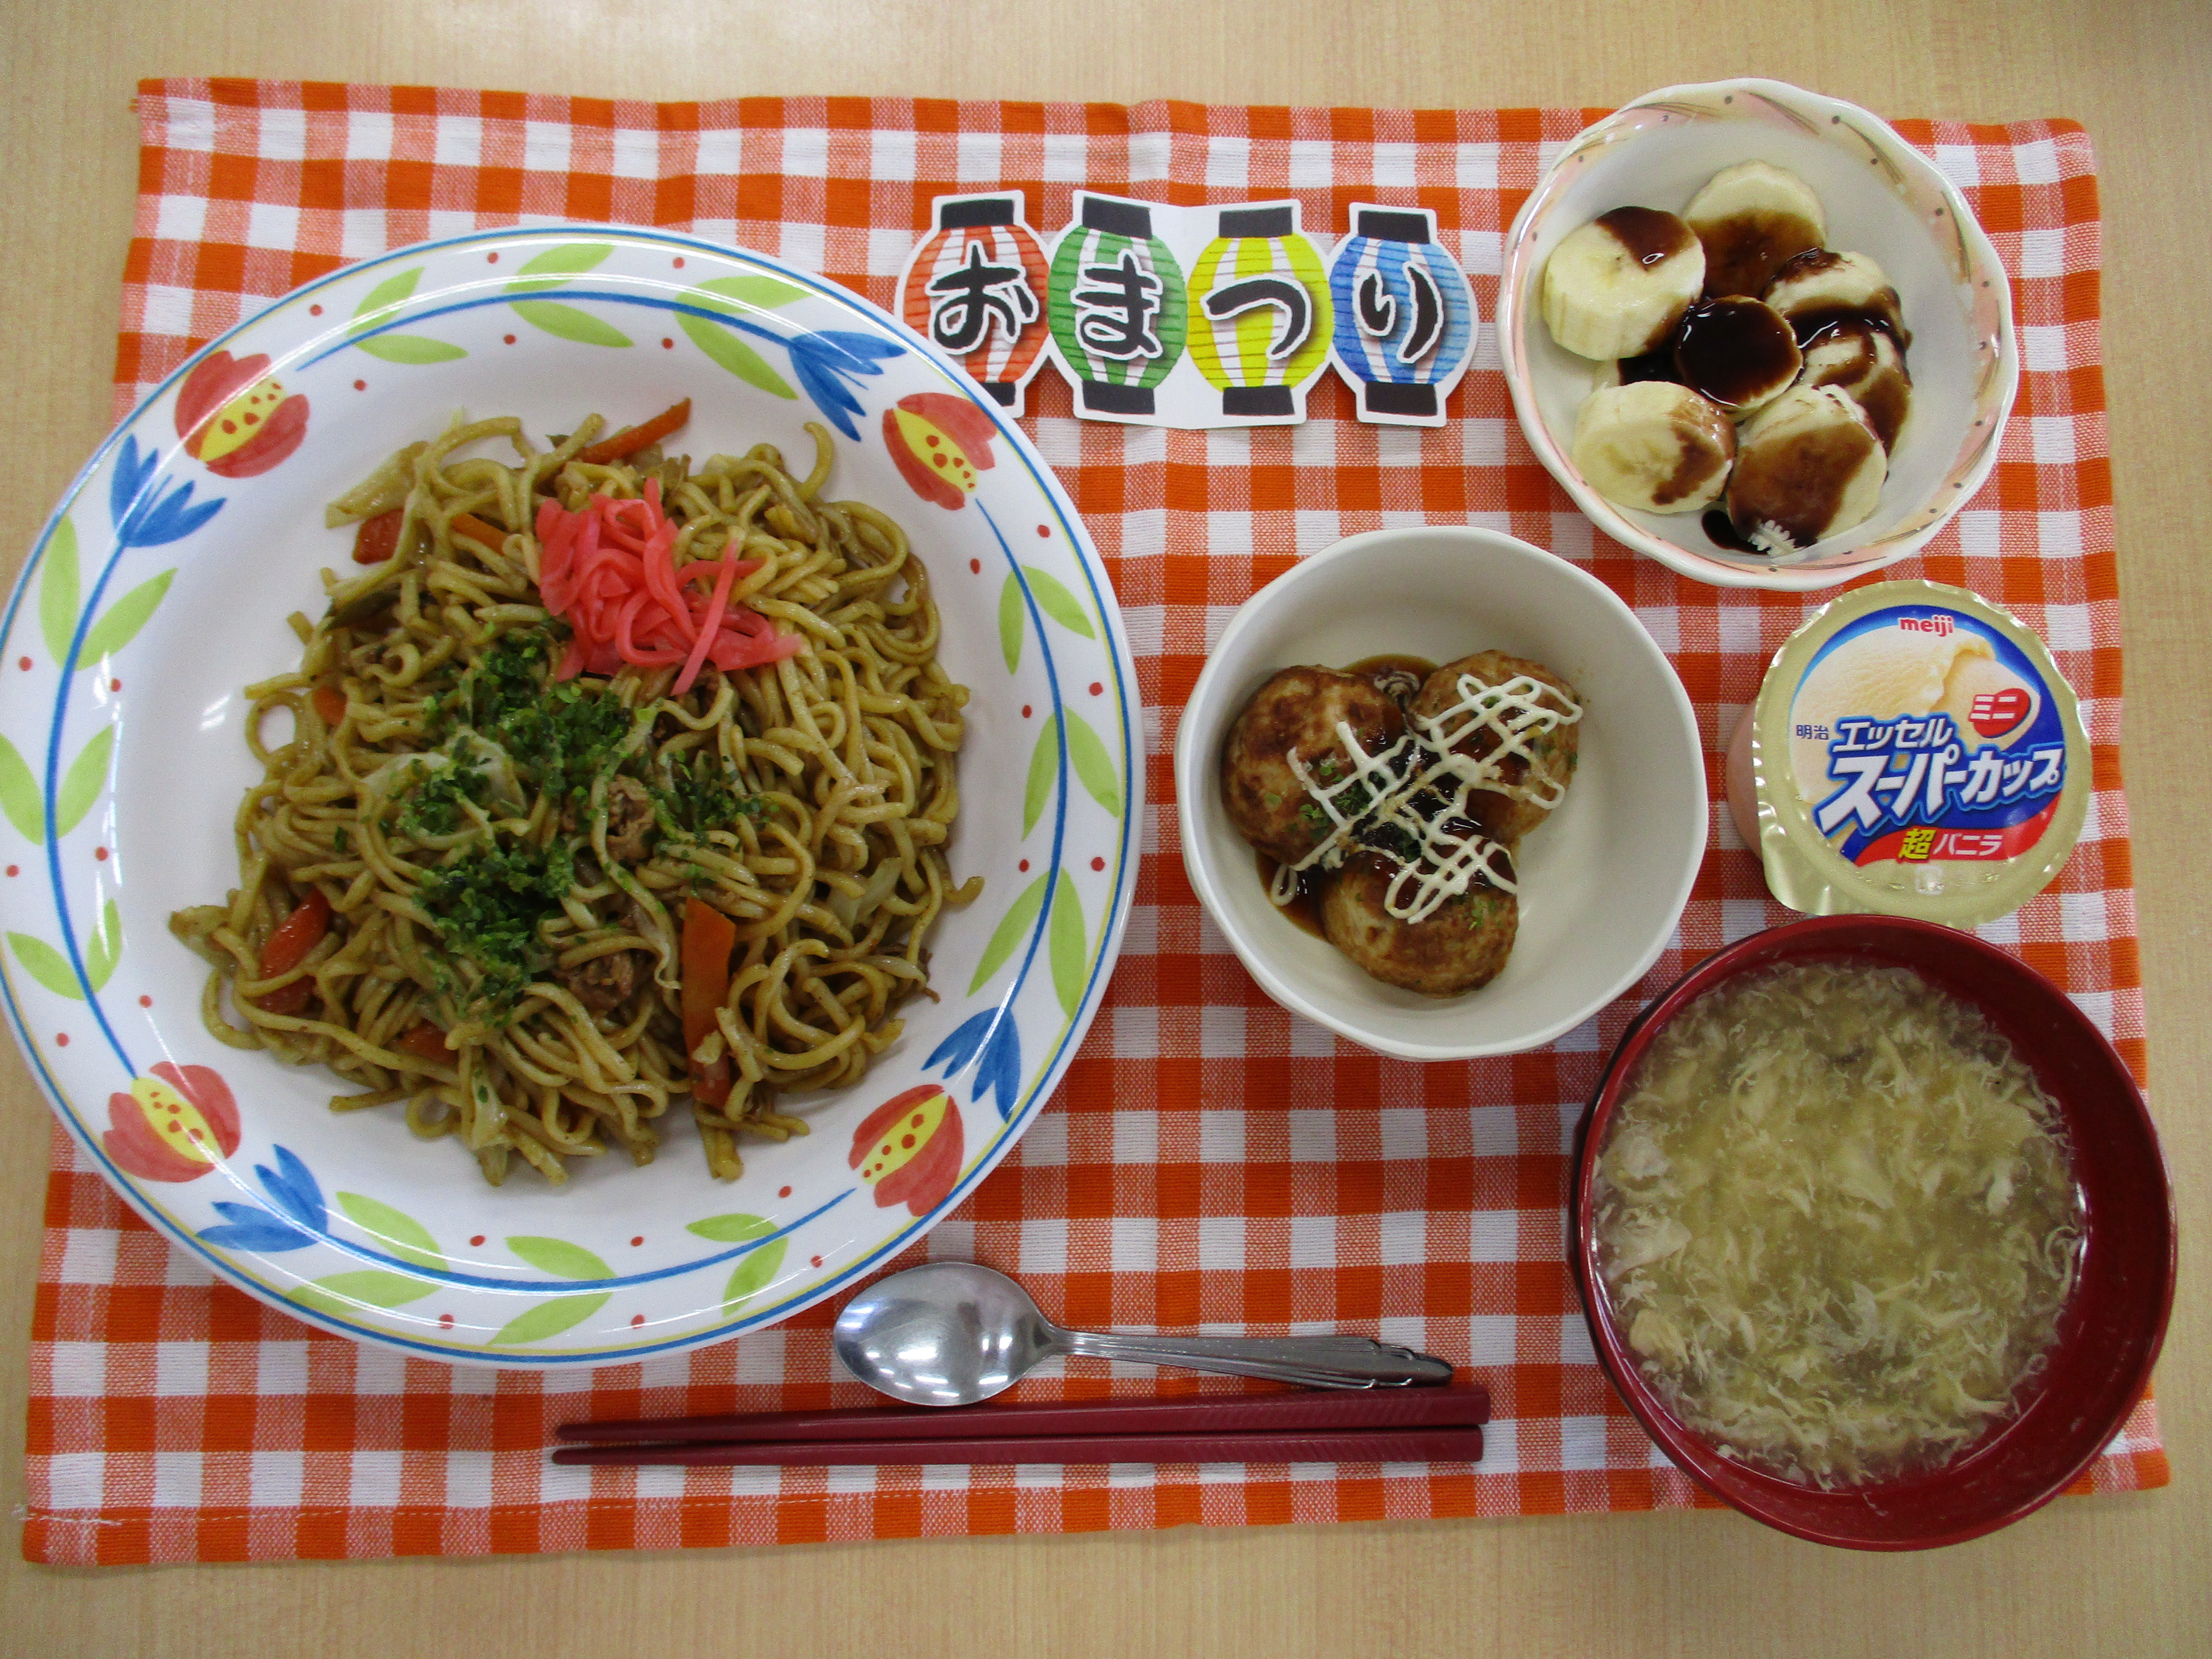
<point x="1398" y="677"/>
<point x="1305" y="907"/>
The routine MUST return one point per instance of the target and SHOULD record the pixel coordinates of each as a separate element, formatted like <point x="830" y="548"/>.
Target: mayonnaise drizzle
<point x="1446" y="862"/>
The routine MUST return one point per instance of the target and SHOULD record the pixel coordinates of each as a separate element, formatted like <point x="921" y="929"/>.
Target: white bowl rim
<point x="1797" y="578"/>
<point x="1190" y="782"/>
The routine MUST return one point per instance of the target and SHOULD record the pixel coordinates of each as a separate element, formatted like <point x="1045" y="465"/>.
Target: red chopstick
<point x="1206" y="1413"/>
<point x="1438" y="1445"/>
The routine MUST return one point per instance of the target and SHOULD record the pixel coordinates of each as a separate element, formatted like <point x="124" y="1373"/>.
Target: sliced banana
<point x="1750" y="218"/>
<point x="1864" y="362"/>
<point x="1821" y="286"/>
<point x="1617" y="286"/>
<point x="1808" y="466"/>
<point x="1654" y="446"/>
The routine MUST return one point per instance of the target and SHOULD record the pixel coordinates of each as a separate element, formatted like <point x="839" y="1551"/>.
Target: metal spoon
<point x="952" y="1333"/>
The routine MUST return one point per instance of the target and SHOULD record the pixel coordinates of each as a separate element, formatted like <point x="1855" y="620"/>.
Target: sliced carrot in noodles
<point x="631" y="438"/>
<point x="377" y="538"/>
<point x="287" y="947"/>
<point x="484" y="535"/>
<point x="426" y="1041"/>
<point x="708" y="937"/>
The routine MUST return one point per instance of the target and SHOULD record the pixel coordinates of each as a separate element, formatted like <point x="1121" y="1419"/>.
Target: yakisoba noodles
<point x="613" y="781"/>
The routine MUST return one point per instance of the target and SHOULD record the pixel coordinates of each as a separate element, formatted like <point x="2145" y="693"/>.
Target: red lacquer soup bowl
<point x="2114" y="1321"/>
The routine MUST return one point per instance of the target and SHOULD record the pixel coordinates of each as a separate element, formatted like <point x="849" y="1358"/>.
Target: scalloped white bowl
<point x="1883" y="197"/>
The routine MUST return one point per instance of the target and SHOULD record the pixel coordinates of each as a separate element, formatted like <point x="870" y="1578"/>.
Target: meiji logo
<point x="1938" y="625"/>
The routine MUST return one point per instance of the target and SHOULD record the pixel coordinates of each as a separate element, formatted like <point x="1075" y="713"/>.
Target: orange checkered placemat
<point x="1210" y="1161"/>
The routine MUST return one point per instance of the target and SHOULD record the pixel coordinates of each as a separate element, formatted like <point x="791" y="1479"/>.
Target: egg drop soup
<point x="1837" y="1221"/>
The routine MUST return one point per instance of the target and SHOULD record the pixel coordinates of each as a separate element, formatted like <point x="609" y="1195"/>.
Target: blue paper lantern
<point x="1404" y="315"/>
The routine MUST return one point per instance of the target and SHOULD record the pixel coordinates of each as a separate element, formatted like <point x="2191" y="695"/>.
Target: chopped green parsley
<point x="489" y="904"/>
<point x="560" y="736"/>
<point x="703" y="795"/>
<point x="434" y="807"/>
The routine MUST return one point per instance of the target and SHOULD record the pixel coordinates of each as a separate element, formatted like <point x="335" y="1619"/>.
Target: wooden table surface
<point x="2126" y="1575"/>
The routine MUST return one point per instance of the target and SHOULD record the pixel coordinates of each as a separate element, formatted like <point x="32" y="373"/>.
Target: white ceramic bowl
<point x="1883" y="199"/>
<point x="1602" y="881"/>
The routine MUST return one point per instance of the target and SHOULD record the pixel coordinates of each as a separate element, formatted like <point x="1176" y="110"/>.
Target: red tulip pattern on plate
<point x="940" y="442"/>
<point x="173" y="1125"/>
<point x="909" y="1149"/>
<point x="235" y="421"/>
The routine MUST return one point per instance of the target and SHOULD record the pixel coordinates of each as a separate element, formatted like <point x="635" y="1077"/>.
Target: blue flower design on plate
<point x="992" y="1035"/>
<point x="296" y="1216"/>
<point x="145" y="515"/>
<point x="824" y="360"/>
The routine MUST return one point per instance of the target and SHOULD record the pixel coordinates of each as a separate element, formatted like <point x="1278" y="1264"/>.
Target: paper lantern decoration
<point x="1404" y="315"/>
<point x="975" y="286"/>
<point x="1117" y="307"/>
<point x="1259" y="312"/>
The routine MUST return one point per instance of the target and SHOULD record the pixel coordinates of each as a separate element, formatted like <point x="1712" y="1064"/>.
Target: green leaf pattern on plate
<point x="560" y="1258"/>
<point x="732" y="1229"/>
<point x="394" y="290"/>
<point x="1043" y="771"/>
<point x="47" y="965"/>
<point x="57" y="590"/>
<point x="102" y="950"/>
<point x="1086" y="753"/>
<point x="1068" y="961"/>
<point x="19" y="797"/>
<point x="556" y="264"/>
<point x="81" y="784"/>
<point x="741" y="360"/>
<point x="411" y="348"/>
<point x="569" y="323"/>
<point x="344" y="1294"/>
<point x="397" y="1232"/>
<point x="1057" y="603"/>
<point x="124" y="619"/>
<point x="753" y="1273"/>
<point x="387" y="295"/>
<point x="550" y="269"/>
<point x="1011" y="618"/>
<point x="761" y="292"/>
<point x="1008" y="934"/>
<point x="757" y="1269"/>
<point x="60" y="592"/>
<point x="549" y="1318"/>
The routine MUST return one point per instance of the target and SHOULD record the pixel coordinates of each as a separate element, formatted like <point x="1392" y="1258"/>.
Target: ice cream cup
<point x="1914" y="751"/>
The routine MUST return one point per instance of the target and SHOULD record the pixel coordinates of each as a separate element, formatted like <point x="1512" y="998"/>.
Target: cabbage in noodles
<point x="1837" y="1221"/>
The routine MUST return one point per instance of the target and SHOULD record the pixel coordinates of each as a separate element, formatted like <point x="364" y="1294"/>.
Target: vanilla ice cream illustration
<point x="1916" y="665"/>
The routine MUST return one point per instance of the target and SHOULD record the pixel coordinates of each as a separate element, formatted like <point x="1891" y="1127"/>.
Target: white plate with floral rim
<point x="160" y="587"/>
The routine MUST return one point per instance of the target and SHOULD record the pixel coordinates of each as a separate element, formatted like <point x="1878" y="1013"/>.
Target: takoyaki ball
<point x="1460" y="945"/>
<point x="1298" y="710"/>
<point x="1509" y="818"/>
